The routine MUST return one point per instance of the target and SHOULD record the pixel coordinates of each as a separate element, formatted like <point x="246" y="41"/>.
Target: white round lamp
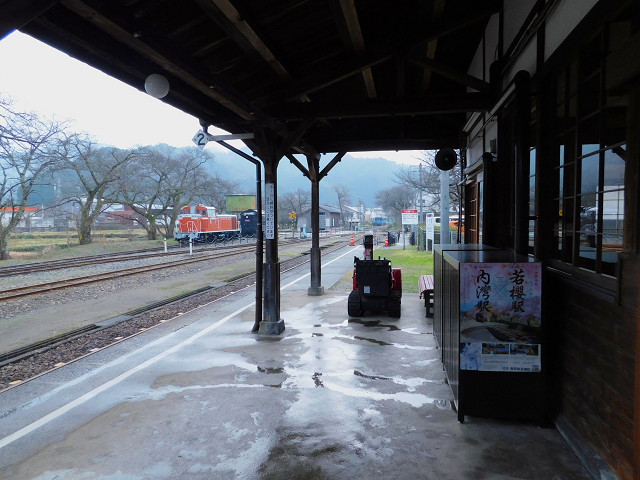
<point x="156" y="85"/>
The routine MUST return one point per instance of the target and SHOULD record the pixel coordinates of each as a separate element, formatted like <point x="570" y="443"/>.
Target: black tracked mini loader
<point x="376" y="286"/>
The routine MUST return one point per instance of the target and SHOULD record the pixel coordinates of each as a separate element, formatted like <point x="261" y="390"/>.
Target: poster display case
<point x="492" y="334"/>
<point x="439" y="296"/>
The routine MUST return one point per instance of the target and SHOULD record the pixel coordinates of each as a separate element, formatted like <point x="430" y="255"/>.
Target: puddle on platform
<point x="416" y="400"/>
<point x="372" y="340"/>
<point x="270" y="369"/>
<point x="370" y="377"/>
<point x="374" y="323"/>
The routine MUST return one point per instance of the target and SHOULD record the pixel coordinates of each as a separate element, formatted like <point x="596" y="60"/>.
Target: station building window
<point x="589" y="145"/>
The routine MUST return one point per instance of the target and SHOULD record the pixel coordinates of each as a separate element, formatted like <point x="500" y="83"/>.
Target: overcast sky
<point x="41" y="79"/>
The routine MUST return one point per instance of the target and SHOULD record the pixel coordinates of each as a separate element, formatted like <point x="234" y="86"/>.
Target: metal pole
<point x="445" y="237"/>
<point x="259" y="241"/>
<point x="420" y="210"/>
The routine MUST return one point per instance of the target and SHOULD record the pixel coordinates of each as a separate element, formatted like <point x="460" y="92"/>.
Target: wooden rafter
<point x="410" y="106"/>
<point x="351" y="33"/>
<point x="189" y="74"/>
<point x="451" y="74"/>
<point x="230" y="20"/>
<point x="231" y="63"/>
<point x="436" y="15"/>
<point x="308" y="85"/>
<point x="16" y="13"/>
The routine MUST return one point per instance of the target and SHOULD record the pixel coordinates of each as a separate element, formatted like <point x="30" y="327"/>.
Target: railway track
<point x="25" y="269"/>
<point x="94" y="337"/>
<point x="202" y="256"/>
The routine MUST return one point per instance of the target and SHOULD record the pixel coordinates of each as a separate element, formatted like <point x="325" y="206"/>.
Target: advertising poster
<point x="500" y="317"/>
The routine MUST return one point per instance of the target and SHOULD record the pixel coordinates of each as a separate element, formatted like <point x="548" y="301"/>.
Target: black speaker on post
<point x="446" y="158"/>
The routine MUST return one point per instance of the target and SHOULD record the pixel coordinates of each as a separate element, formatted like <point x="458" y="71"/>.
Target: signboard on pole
<point x="430" y="223"/>
<point x="409" y="217"/>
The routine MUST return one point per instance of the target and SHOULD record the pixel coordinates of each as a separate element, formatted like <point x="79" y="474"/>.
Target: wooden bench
<point x="426" y="287"/>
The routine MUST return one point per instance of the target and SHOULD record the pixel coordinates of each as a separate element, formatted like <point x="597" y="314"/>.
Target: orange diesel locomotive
<point x="202" y="224"/>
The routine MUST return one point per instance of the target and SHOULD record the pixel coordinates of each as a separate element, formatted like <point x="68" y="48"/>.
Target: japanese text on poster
<point x="500" y="317"/>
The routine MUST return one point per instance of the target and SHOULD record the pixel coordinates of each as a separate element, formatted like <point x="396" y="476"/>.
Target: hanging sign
<point x="200" y="139"/>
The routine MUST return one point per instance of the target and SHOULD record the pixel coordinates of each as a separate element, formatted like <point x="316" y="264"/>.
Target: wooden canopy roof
<point x="340" y="75"/>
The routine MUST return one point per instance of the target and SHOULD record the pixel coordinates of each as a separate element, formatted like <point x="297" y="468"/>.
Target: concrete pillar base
<point x="315" y="291"/>
<point x="271" y="328"/>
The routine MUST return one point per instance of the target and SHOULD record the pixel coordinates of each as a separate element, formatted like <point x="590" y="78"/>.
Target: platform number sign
<point x="200" y="139"/>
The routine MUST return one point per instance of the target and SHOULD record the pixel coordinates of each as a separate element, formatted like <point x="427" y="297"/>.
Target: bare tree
<point x="159" y="182"/>
<point x="426" y="178"/>
<point x="344" y="197"/>
<point x="298" y="202"/>
<point x="97" y="170"/>
<point x="29" y="147"/>
<point x="216" y="190"/>
<point x="395" y="199"/>
<point x="187" y="181"/>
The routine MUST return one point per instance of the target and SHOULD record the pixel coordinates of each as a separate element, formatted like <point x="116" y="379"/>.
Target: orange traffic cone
<point x="386" y="241"/>
<point x="352" y="242"/>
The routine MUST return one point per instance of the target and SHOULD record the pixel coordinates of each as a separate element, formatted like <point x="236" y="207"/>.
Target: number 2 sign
<point x="200" y="139"/>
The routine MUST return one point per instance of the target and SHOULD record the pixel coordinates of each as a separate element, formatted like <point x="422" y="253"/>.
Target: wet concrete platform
<point x="333" y="397"/>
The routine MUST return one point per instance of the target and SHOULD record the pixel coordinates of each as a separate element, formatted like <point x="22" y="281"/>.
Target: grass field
<point x="412" y="262"/>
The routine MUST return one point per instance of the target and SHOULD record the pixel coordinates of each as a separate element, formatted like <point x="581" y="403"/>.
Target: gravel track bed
<point x="18" y="306"/>
<point x="27" y="368"/>
<point x="21" y="305"/>
<point x="21" y="280"/>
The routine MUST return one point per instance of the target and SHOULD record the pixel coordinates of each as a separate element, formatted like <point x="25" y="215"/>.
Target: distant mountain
<point x="363" y="176"/>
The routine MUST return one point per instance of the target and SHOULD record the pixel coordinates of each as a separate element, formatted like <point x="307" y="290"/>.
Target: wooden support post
<point x="521" y="163"/>
<point x="632" y="242"/>
<point x="267" y="146"/>
<point x="271" y="323"/>
<point x="316" y="287"/>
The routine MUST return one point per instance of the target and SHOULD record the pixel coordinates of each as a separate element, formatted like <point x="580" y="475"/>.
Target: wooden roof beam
<point x="458" y="77"/>
<point x="436" y="14"/>
<point x="17" y="13"/>
<point x="167" y="58"/>
<point x="349" y="27"/>
<point x="409" y="106"/>
<point x="149" y="49"/>
<point x="314" y="83"/>
<point x="230" y="20"/>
